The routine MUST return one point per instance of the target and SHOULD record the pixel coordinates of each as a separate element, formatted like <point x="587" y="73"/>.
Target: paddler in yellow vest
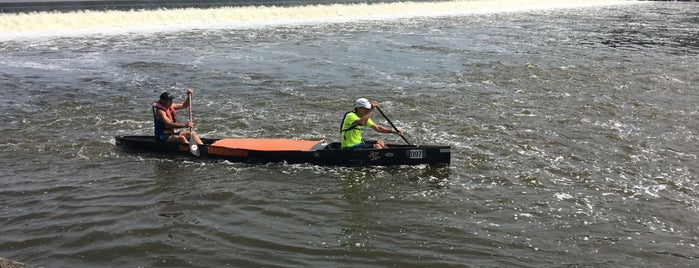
<point x="354" y="123"/>
<point x="165" y="120"/>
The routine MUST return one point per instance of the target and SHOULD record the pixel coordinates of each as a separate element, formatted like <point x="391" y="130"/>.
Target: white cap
<point x="362" y="102"/>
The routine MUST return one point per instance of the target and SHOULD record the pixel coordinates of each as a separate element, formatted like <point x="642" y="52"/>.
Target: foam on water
<point x="78" y="23"/>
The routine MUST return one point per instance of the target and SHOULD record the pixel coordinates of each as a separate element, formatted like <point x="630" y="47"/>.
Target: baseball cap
<point x="362" y="102"/>
<point x="166" y="96"/>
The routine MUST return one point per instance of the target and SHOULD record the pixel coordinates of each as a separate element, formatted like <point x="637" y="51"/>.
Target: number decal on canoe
<point x="416" y="154"/>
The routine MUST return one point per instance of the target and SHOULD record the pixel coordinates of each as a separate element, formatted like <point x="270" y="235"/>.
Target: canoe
<point x="262" y="150"/>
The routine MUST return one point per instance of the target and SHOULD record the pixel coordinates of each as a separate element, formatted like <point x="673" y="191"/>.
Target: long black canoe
<point x="259" y="150"/>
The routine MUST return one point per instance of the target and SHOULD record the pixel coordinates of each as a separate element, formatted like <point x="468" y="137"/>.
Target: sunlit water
<point x="573" y="134"/>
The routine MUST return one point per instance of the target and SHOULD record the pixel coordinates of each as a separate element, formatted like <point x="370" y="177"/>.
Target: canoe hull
<point x="319" y="154"/>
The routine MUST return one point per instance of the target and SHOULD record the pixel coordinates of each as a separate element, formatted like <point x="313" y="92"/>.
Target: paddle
<point x="394" y="126"/>
<point x="193" y="147"/>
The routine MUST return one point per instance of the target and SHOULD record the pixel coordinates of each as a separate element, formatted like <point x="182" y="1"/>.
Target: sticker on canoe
<point x="213" y="150"/>
<point x="416" y="154"/>
<point x="373" y="156"/>
<point x="266" y="144"/>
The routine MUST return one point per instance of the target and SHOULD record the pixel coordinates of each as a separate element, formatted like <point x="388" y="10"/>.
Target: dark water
<point x="573" y="133"/>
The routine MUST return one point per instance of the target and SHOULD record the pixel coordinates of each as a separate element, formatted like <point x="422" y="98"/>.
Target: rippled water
<point x="573" y="134"/>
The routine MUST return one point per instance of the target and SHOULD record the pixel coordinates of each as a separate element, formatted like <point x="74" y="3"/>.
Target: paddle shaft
<point x="394" y="126"/>
<point x="193" y="147"/>
<point x="191" y="137"/>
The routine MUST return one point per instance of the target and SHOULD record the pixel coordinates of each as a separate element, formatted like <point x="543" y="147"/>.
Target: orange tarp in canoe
<point x="267" y="144"/>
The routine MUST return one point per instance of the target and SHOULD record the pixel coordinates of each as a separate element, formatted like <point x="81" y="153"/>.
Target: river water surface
<point x="574" y="134"/>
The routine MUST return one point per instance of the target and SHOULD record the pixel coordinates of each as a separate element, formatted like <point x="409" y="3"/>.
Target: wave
<point x="87" y="22"/>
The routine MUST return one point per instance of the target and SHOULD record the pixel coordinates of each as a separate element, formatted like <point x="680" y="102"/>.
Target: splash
<point x="119" y="22"/>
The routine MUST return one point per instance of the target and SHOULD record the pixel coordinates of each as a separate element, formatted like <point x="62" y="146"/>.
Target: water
<point x="573" y="134"/>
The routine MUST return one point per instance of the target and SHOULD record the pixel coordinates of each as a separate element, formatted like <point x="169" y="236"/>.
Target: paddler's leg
<point x="186" y="134"/>
<point x="178" y="138"/>
<point x="196" y="138"/>
<point x="379" y="144"/>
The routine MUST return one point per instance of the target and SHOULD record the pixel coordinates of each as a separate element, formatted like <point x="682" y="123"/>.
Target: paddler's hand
<point x="189" y="124"/>
<point x="374" y="104"/>
<point x="400" y="133"/>
<point x="190" y="91"/>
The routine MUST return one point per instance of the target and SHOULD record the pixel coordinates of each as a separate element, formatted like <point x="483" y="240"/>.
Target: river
<point x="573" y="129"/>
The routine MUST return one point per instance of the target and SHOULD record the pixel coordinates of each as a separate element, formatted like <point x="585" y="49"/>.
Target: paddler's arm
<point x="185" y="104"/>
<point x="362" y="120"/>
<point x="160" y="114"/>
<point x="383" y="129"/>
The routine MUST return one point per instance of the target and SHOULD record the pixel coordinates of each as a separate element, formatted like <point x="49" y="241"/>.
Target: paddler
<point x="165" y="120"/>
<point x="354" y="122"/>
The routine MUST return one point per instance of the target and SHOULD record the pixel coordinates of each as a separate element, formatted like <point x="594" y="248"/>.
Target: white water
<point x="79" y="23"/>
